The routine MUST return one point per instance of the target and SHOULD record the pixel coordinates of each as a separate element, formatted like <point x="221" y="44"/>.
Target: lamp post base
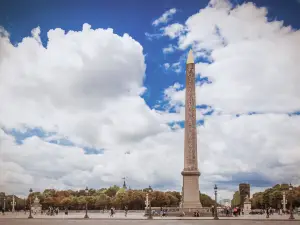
<point x="150" y="217"/>
<point x="291" y="217"/>
<point x="86" y="216"/>
<point x="30" y="217"/>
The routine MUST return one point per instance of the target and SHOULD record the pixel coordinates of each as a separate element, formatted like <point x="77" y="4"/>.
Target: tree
<point x="102" y="201"/>
<point x="206" y="201"/>
<point x="112" y="191"/>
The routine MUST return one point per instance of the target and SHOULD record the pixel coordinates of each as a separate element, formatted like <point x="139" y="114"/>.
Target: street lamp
<point x="291" y="203"/>
<point x="150" y="217"/>
<point x="30" y="216"/>
<point x="13" y="204"/>
<point x="4" y="201"/>
<point x="216" y="209"/>
<point x="86" y="204"/>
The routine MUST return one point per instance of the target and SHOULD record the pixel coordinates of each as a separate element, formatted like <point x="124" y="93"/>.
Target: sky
<point x="93" y="91"/>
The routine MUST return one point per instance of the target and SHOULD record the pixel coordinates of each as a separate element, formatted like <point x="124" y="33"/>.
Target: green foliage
<point x="272" y="197"/>
<point x="107" y="197"/>
<point x="236" y="201"/>
<point x="206" y="201"/>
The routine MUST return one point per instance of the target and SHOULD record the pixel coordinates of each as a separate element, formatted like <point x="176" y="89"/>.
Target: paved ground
<point x="139" y="216"/>
<point x="139" y="222"/>
<point x="139" y="219"/>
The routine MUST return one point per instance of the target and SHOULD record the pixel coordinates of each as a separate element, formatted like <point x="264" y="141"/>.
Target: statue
<point x="36" y="206"/>
<point x="247" y="205"/>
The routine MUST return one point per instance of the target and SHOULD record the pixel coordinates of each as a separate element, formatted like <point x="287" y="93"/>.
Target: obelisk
<point x="190" y="173"/>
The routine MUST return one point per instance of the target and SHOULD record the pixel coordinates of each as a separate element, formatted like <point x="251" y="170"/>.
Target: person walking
<point x="126" y="210"/>
<point x="111" y="212"/>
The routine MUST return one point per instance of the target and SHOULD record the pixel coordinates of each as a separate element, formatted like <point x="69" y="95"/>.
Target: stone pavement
<point x="139" y="222"/>
<point x="137" y="216"/>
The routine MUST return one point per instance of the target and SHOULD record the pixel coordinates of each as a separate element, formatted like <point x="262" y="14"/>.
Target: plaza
<point x="133" y="216"/>
<point x="132" y="221"/>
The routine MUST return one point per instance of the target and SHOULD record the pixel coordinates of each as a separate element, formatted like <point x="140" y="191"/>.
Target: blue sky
<point x="229" y="103"/>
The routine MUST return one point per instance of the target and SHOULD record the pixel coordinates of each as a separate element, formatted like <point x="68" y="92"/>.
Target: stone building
<point x="244" y="190"/>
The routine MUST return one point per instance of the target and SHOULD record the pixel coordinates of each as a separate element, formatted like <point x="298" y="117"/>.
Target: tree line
<point x="105" y="198"/>
<point x="272" y="197"/>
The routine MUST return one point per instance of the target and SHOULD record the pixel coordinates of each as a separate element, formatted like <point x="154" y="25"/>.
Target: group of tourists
<point x="52" y="211"/>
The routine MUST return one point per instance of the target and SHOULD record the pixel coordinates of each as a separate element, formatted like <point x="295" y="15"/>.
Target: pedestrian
<point x="268" y="212"/>
<point x="126" y="210"/>
<point x="111" y="212"/>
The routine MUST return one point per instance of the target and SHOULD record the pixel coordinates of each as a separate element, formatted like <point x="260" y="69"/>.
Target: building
<point x="239" y="196"/>
<point x="244" y="190"/>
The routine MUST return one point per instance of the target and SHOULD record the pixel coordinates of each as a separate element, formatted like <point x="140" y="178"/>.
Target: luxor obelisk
<point x="190" y="173"/>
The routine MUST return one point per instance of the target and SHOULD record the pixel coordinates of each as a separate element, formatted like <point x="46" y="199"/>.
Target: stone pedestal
<point x="247" y="206"/>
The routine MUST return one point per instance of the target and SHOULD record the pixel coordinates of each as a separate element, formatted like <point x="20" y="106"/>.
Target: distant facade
<point x="239" y="196"/>
<point x="244" y="190"/>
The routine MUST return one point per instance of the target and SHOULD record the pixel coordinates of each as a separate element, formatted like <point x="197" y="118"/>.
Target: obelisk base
<point x="191" y="195"/>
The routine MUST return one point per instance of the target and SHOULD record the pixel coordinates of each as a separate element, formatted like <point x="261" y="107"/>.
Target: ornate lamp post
<point x="284" y="202"/>
<point x="216" y="209"/>
<point x="147" y="204"/>
<point x="86" y="204"/>
<point x="291" y="203"/>
<point x="150" y="217"/>
<point x="30" y="216"/>
<point x="13" y="204"/>
<point x="4" y="201"/>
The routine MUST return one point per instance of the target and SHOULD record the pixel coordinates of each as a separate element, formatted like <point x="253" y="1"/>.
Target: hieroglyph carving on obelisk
<point x="190" y="173"/>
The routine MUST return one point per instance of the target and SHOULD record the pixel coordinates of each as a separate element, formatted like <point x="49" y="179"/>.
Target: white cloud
<point x="165" y="17"/>
<point x="176" y="67"/>
<point x="254" y="62"/>
<point x="150" y="37"/>
<point x="169" y="49"/>
<point x="86" y="86"/>
<point x="173" y="30"/>
<point x="226" y="146"/>
<point x="79" y="86"/>
<point x="166" y="65"/>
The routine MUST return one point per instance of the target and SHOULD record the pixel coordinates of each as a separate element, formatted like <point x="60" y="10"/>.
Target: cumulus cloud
<point x="253" y="61"/>
<point x="165" y="17"/>
<point x="169" y="49"/>
<point x="86" y="86"/>
<point x="176" y="67"/>
<point x="77" y="86"/>
<point x="173" y="30"/>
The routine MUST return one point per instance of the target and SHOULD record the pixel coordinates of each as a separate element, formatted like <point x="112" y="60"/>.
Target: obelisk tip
<point x="190" y="58"/>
